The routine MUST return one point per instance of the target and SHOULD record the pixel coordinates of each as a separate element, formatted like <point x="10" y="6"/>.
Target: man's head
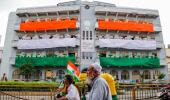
<point x="68" y="80"/>
<point x="94" y="70"/>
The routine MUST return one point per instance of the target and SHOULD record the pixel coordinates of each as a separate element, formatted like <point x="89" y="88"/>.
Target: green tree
<point x="161" y="76"/>
<point x="26" y="70"/>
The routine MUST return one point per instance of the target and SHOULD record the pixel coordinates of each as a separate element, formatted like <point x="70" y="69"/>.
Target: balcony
<point x="129" y="11"/>
<point x="48" y="24"/>
<point x="130" y="62"/>
<point x="124" y="25"/>
<point x="47" y="10"/>
<point x="126" y="44"/>
<point x="47" y="43"/>
<point x="46" y="61"/>
<point x="129" y="44"/>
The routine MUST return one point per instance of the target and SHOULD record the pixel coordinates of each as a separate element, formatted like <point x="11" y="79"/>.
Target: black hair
<point x="70" y="79"/>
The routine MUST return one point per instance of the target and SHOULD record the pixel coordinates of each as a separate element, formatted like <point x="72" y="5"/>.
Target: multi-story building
<point x="126" y="41"/>
<point x="1" y="51"/>
<point x="168" y="59"/>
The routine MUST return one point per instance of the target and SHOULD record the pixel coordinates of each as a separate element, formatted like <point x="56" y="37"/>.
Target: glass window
<point x="114" y="74"/>
<point x="15" y="74"/>
<point x="125" y="75"/>
<point x="156" y="73"/>
<point x="87" y="35"/>
<point x="83" y="35"/>
<point x="135" y="75"/>
<point x="37" y="75"/>
<point x="90" y="35"/>
<point x="146" y="74"/>
<point x="60" y="74"/>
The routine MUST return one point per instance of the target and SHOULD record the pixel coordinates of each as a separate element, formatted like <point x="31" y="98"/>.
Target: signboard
<point x="87" y="46"/>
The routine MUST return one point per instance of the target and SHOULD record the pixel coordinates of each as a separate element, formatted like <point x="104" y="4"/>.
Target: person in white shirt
<point x="71" y="89"/>
<point x="99" y="87"/>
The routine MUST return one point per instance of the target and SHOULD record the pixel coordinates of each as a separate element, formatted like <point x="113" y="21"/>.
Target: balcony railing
<point x="49" y="24"/>
<point x="130" y="62"/>
<point x="125" y="25"/>
<point x="140" y="44"/>
<point x="50" y="61"/>
<point x="47" y="43"/>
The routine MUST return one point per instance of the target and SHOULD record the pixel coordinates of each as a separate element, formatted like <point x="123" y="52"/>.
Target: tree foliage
<point x="161" y="76"/>
<point x="26" y="70"/>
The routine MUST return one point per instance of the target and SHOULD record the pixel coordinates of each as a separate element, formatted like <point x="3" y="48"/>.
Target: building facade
<point x="126" y="41"/>
<point x="168" y="59"/>
<point x="1" y="51"/>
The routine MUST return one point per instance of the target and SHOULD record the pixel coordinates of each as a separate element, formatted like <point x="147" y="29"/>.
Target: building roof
<point x="127" y="10"/>
<point x="47" y="9"/>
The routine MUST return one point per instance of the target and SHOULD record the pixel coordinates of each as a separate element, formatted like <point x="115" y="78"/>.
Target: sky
<point x="7" y="6"/>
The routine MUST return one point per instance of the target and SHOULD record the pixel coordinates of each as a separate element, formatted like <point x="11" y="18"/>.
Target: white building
<point x="168" y="59"/>
<point x="1" y="51"/>
<point x="126" y="41"/>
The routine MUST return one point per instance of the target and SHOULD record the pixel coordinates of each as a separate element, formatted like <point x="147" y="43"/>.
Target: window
<point x="83" y="55"/>
<point x="156" y="73"/>
<point x="87" y="55"/>
<point x="114" y="74"/>
<point x="83" y="35"/>
<point x="103" y="54"/>
<point x="73" y="36"/>
<point x="135" y="75"/>
<point x="87" y="35"/>
<point x="37" y="75"/>
<point x="49" y="74"/>
<point x="50" y="53"/>
<point x="90" y="35"/>
<point x="71" y="54"/>
<point x="60" y="74"/>
<point x="15" y="74"/>
<point x="146" y="74"/>
<point x="125" y="75"/>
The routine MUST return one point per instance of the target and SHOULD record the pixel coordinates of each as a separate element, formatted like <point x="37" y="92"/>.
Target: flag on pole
<point x="73" y="71"/>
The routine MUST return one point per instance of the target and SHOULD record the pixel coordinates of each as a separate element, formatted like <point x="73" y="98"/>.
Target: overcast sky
<point x="6" y="6"/>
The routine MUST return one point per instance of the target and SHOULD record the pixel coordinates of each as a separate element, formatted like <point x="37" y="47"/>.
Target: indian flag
<point x="73" y="71"/>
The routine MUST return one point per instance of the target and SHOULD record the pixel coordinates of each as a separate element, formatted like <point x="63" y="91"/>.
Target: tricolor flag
<point x="73" y="71"/>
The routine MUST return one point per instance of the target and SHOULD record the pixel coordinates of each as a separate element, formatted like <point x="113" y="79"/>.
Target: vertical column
<point x="141" y="72"/>
<point x="130" y="75"/>
<point x="151" y="73"/>
<point x="43" y="75"/>
<point x="119" y="75"/>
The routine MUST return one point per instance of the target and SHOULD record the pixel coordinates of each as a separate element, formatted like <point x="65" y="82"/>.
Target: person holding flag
<point x="71" y="90"/>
